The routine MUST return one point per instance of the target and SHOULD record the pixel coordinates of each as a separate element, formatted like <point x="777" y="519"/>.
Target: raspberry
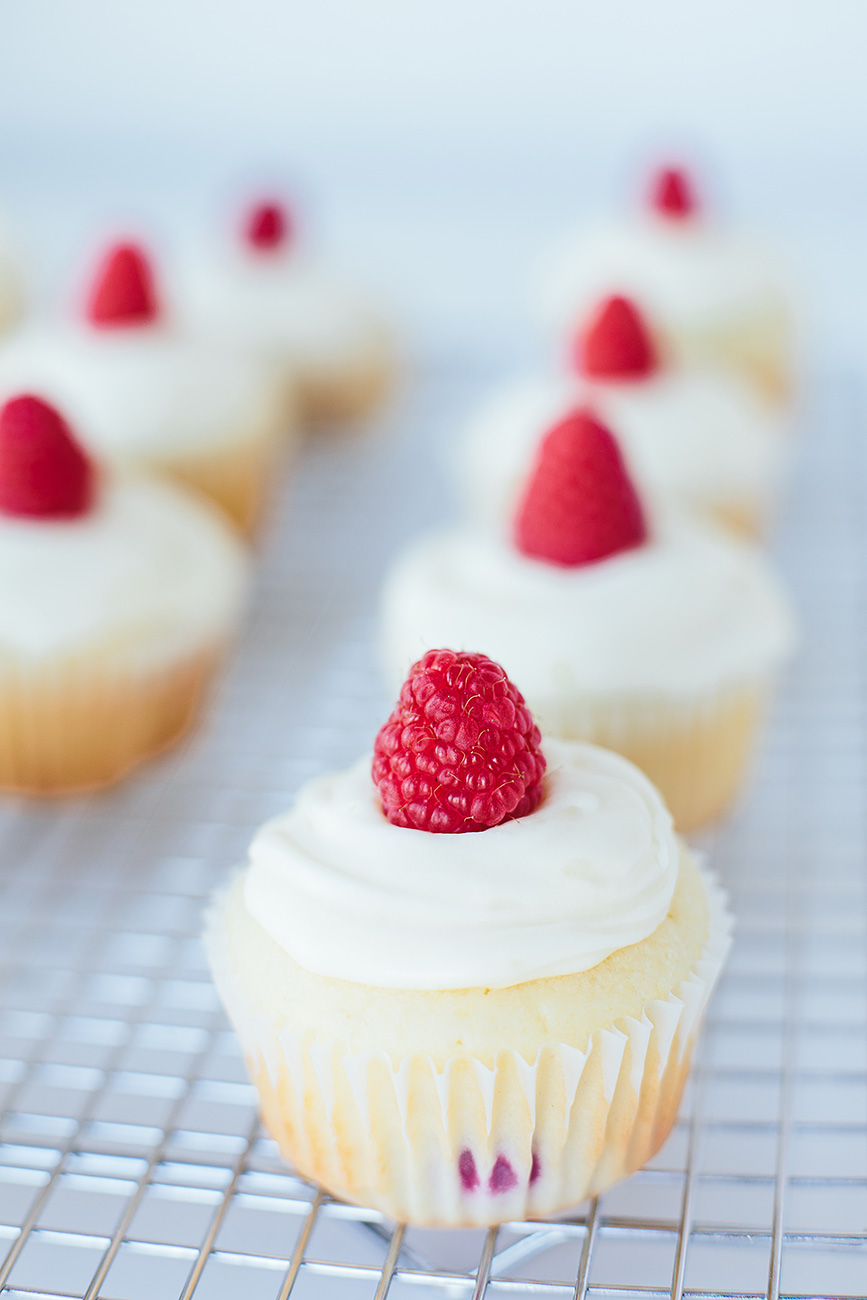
<point x="580" y="505"/>
<point x="616" y="344"/>
<point x="123" y="291"/>
<point x="268" y="227"/>
<point x="43" y="471"/>
<point x="460" y="751"/>
<point x="672" y="195"/>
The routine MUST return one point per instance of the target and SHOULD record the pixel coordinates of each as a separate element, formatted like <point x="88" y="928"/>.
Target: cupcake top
<point x="134" y="383"/>
<point x="87" y="560"/>
<point x="590" y="595"/>
<point x="579" y="861"/>
<point x="683" y="267"/>
<point x="698" y="436"/>
<point x="265" y="292"/>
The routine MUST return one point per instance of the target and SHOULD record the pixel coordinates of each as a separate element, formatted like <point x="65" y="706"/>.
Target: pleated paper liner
<point x="471" y="1144"/>
<point x="79" y="725"/>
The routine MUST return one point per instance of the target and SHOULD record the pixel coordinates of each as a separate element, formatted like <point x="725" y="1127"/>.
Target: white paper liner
<point x="470" y="1144"/>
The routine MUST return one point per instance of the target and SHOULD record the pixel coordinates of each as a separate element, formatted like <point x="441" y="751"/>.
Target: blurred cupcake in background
<point x="145" y="393"/>
<point x="695" y="436"/>
<point x="118" y="596"/>
<point x="719" y="297"/>
<point x="653" y="635"/>
<point x="262" y="290"/>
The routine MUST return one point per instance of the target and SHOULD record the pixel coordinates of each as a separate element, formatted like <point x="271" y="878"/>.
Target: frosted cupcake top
<point x="688" y="273"/>
<point x="686" y="269"/>
<point x="146" y="568"/>
<point x="689" y="611"/>
<point x="350" y="895"/>
<point x="143" y="392"/>
<point x="92" y="565"/>
<point x="267" y="294"/>
<point x="699" y="437"/>
<point x="130" y="380"/>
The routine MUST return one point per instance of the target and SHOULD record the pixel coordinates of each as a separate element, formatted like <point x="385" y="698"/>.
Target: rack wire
<point x="132" y="1166"/>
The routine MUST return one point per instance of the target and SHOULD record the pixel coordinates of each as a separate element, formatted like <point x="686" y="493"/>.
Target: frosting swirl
<point x="349" y="895"/>
<point x="276" y="305"/>
<point x="697" y="437"/>
<point x="150" y="569"/>
<point x="691" y="611"/>
<point x="139" y="393"/>
<point x="685" y="274"/>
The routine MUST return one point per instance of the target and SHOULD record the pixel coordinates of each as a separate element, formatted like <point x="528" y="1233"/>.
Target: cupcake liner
<point x="350" y="387"/>
<point x="757" y="344"/>
<point x="469" y="1143"/>
<point x="238" y="473"/>
<point x="80" y="724"/>
<point x="696" y="750"/>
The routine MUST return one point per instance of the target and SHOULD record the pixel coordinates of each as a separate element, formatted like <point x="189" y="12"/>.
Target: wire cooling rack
<point x="131" y="1163"/>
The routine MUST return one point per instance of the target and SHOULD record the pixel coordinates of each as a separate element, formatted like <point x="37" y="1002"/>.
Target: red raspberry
<point x="43" y="471"/>
<point x="580" y="505"/>
<point x="672" y="195"/>
<point x="268" y="227"/>
<point x="123" y="290"/>
<point x="460" y="751"/>
<point x="616" y="344"/>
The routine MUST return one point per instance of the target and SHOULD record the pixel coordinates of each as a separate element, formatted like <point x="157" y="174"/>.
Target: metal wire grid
<point x="131" y="1164"/>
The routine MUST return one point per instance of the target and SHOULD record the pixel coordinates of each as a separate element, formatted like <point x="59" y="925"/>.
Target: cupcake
<point x="467" y="978"/>
<point x="265" y="293"/>
<point x="146" y="395"/>
<point x="720" y="297"/>
<point x="695" y="437"/>
<point x="656" y="637"/>
<point x="118" y="598"/>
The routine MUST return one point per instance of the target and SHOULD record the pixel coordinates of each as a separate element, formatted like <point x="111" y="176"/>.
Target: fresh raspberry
<point x="460" y="751"/>
<point x="268" y="227"/>
<point x="123" y="291"/>
<point x="616" y="344"/>
<point x="580" y="505"/>
<point x="672" y="195"/>
<point x="43" y="471"/>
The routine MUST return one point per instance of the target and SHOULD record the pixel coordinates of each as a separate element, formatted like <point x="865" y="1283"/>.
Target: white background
<point x="438" y="145"/>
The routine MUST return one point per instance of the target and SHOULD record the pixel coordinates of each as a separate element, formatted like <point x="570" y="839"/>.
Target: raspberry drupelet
<point x="461" y="751"/>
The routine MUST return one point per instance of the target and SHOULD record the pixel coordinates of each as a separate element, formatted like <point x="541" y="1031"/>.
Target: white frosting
<point x="349" y="895"/>
<point x="697" y="437"/>
<point x="136" y="393"/>
<point x="150" y="572"/>
<point x="691" y="611"/>
<point x="278" y="304"/>
<point x="685" y="274"/>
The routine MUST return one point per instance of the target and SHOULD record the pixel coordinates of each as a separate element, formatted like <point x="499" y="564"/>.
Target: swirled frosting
<point x="279" y="304"/>
<point x="691" y="611"/>
<point x="140" y="393"/>
<point x="696" y="437"/>
<point x="683" y="273"/>
<point x="349" y="895"/>
<point x="149" y="571"/>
